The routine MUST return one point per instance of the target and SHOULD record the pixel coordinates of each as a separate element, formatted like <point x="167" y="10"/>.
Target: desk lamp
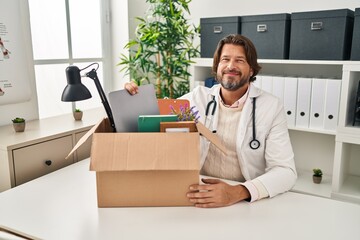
<point x="76" y="91"/>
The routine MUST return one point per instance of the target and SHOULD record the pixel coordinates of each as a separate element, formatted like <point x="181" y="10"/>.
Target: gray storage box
<point x="270" y="34"/>
<point x="355" y="49"/>
<point x="321" y="35"/>
<point x="212" y="30"/>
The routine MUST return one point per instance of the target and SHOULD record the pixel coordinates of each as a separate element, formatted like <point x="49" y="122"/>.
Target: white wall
<point x="220" y="8"/>
<point x="29" y="109"/>
<point x="120" y="36"/>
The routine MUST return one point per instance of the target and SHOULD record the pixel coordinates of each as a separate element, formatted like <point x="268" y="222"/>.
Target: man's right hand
<point x="131" y="87"/>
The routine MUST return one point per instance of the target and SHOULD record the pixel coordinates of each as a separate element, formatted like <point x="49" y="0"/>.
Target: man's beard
<point x="230" y="83"/>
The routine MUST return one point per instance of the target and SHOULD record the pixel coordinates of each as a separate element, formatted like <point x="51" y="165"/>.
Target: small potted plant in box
<point x="19" y="124"/>
<point x="317" y="176"/>
<point x="77" y="114"/>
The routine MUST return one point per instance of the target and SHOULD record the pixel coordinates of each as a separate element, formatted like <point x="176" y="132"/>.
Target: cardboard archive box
<point x="270" y="34"/>
<point x="321" y="35"/>
<point x="145" y="169"/>
<point x="355" y="49"/>
<point x="212" y="30"/>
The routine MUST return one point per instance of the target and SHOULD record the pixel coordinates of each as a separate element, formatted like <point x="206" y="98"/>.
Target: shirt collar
<point x="239" y="103"/>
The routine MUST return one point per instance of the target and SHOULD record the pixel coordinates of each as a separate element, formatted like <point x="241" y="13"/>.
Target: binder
<point x="317" y="103"/>
<point x="303" y="103"/>
<point x="278" y="87"/>
<point x="332" y="103"/>
<point x="266" y="83"/>
<point x="257" y="82"/>
<point x="290" y="98"/>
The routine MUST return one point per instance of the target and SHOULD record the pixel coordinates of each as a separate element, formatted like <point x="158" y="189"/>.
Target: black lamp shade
<point x="75" y="90"/>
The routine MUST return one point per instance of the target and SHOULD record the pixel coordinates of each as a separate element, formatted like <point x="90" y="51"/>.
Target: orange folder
<point x="164" y="105"/>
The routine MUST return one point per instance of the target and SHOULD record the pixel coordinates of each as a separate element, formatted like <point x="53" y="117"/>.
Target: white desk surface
<point x="62" y="205"/>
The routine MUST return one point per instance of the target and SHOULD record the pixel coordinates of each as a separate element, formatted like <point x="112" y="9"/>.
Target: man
<point x="259" y="155"/>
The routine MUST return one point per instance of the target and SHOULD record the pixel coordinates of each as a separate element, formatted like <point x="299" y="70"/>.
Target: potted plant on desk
<point x="18" y="124"/>
<point x="77" y="114"/>
<point x="317" y="176"/>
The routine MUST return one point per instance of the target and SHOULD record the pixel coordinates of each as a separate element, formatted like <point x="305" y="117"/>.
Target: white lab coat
<point x="273" y="162"/>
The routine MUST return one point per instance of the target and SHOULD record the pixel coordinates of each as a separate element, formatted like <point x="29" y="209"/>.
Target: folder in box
<point x="166" y="104"/>
<point x="151" y="123"/>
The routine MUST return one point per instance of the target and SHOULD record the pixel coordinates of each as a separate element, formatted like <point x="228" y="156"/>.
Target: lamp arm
<point x="93" y="75"/>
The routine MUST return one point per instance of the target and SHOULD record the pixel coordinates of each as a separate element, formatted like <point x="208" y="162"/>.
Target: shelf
<point x="304" y="184"/>
<point x="313" y="130"/>
<point x="349" y="134"/>
<point x="350" y="190"/>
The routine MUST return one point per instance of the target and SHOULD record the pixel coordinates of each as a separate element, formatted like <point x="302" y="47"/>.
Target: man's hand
<point x="216" y="193"/>
<point x="131" y="87"/>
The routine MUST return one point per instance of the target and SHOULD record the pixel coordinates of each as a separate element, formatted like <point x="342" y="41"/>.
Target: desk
<point x="63" y="205"/>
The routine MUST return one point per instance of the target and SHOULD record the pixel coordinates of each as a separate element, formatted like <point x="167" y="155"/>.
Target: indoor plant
<point x="18" y="124"/>
<point x="317" y="176"/>
<point x="162" y="49"/>
<point x="77" y="114"/>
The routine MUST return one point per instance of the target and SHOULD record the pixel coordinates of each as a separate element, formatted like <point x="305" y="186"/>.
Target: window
<point x="68" y="32"/>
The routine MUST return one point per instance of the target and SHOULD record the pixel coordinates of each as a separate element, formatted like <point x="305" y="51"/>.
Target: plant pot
<point x="77" y="115"/>
<point x="19" y="127"/>
<point x="317" y="179"/>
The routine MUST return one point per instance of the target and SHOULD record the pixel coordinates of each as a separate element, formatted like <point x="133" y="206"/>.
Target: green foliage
<point x="18" y="120"/>
<point x="163" y="48"/>
<point x="317" y="172"/>
<point x="77" y="110"/>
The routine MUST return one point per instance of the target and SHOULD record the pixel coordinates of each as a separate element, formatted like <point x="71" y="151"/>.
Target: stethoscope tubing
<point x="254" y="143"/>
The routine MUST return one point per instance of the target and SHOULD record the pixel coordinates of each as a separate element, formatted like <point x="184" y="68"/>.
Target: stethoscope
<point x="254" y="143"/>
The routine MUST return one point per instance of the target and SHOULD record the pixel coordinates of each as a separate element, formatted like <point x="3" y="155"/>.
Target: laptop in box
<point x="126" y="108"/>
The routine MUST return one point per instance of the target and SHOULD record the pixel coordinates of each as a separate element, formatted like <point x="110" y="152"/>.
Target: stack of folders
<point x="308" y="102"/>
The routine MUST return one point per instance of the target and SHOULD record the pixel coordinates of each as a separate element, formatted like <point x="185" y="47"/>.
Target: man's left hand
<point x="216" y="193"/>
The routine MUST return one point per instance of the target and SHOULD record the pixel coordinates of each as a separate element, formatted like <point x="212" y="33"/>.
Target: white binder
<point x="266" y="83"/>
<point x="257" y="82"/>
<point x="278" y="87"/>
<point x="303" y="102"/>
<point x="317" y="103"/>
<point x="290" y="97"/>
<point x="332" y="103"/>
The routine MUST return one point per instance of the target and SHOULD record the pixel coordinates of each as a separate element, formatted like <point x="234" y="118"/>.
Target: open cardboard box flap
<point x="118" y="145"/>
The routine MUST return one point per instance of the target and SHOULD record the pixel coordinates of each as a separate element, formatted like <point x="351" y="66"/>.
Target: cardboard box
<point x="145" y="169"/>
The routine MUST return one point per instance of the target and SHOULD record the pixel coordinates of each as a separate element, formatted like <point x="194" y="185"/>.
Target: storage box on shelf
<point x="270" y="34"/>
<point x="214" y="29"/>
<point x="42" y="148"/>
<point x="336" y="152"/>
<point x="355" y="48"/>
<point x="321" y="35"/>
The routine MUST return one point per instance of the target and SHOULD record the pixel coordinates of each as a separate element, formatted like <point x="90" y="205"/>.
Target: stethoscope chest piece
<point x="254" y="144"/>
